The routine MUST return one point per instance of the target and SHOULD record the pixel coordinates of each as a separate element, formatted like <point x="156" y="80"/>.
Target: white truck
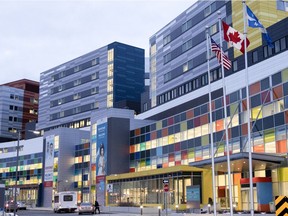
<point x="65" y="201"/>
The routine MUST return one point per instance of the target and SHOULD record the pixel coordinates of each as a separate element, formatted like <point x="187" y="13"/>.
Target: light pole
<point x="17" y="161"/>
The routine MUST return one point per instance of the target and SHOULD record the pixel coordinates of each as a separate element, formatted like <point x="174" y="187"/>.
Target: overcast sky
<point x="37" y="35"/>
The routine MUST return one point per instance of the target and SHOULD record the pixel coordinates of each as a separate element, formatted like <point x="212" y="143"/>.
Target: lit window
<point x="110" y="55"/>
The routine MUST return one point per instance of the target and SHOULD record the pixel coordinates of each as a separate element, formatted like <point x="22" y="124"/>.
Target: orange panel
<point x="86" y="145"/>
<point x="184" y="155"/>
<point x="204" y="119"/>
<point x="219" y="125"/>
<point x="198" y="158"/>
<point x="254" y="88"/>
<point x="132" y="149"/>
<point x="137" y="131"/>
<point x="258" y="148"/>
<point x="164" y="132"/>
<point x="171" y="157"/>
<point x="165" y="165"/>
<point x="189" y="114"/>
<point x="236" y="179"/>
<point x="153" y="135"/>
<point x="281" y="146"/>
<point x="278" y="92"/>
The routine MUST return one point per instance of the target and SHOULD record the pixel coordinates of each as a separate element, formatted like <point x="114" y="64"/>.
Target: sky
<point x="37" y="35"/>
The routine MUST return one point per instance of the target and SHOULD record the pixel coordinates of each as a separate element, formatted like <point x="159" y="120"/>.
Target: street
<point x="44" y="213"/>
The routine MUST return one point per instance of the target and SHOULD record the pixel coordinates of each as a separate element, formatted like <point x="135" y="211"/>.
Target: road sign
<point x="165" y="181"/>
<point x="166" y="187"/>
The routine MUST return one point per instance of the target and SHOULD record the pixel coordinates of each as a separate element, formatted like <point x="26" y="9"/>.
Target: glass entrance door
<point x="245" y="198"/>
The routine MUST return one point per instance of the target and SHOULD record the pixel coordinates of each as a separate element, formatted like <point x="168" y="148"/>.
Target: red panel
<point x="184" y="155"/>
<point x="177" y="147"/>
<point x="197" y="122"/>
<point x="164" y="132"/>
<point x="265" y="97"/>
<point x="153" y="135"/>
<point x="48" y="184"/>
<point x="263" y="208"/>
<point x="204" y="119"/>
<point x="177" y="163"/>
<point x="132" y="170"/>
<point x="171" y="157"/>
<point x="255" y="180"/>
<point x="171" y="121"/>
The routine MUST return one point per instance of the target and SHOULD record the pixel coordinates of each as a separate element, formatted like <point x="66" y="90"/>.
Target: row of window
<point x="74" y="111"/>
<point x="77" y="68"/>
<point x="23" y="157"/>
<point x="15" y="108"/>
<point x="15" y="119"/>
<point x="193" y="42"/>
<point x="74" y="97"/>
<point x="74" y="83"/>
<point x="16" y="97"/>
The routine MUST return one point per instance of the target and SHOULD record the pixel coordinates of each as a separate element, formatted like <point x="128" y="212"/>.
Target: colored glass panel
<point x="204" y="119"/>
<point x="219" y="125"/>
<point x="258" y="148"/>
<point x="244" y="105"/>
<point x="256" y="113"/>
<point x="164" y="132"/>
<point x="184" y="155"/>
<point x="269" y="136"/>
<point x="234" y="108"/>
<point x="285" y="75"/>
<point x="142" y="146"/>
<point x="278" y="92"/>
<point x="177" y="146"/>
<point x="281" y="146"/>
<point x="137" y="131"/>
<point x="254" y="88"/>
<point x="189" y="114"/>
<point x="265" y="97"/>
<point x="153" y="135"/>
<point x="183" y="126"/>
<point x="177" y="163"/>
<point x="171" y="139"/>
<point x="191" y="153"/>
<point x="171" y="157"/>
<point x="205" y="140"/>
<point x="158" y="125"/>
<point x="197" y="122"/>
<point x="171" y="121"/>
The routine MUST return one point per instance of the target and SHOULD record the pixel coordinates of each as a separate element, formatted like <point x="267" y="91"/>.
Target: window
<point x="110" y="70"/>
<point x="76" y="69"/>
<point x="77" y="82"/>
<point x="213" y="29"/>
<point x="167" y="58"/>
<point x="167" y="39"/>
<point x="95" y="90"/>
<point x="210" y="9"/>
<point x="185" y="67"/>
<point x="95" y="75"/>
<point x="277" y="46"/>
<point x="95" y="61"/>
<point x="235" y="66"/>
<point x="68" y="198"/>
<point x="283" y="43"/>
<point x="110" y="55"/>
<point x="145" y="107"/>
<point x="254" y="56"/>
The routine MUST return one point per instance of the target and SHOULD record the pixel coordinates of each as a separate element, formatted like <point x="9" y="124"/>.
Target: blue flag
<point x="253" y="22"/>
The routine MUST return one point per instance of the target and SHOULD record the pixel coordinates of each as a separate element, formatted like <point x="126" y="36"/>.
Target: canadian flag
<point x="235" y="38"/>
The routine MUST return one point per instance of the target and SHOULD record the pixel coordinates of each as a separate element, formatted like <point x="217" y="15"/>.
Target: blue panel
<point x="159" y="151"/>
<point x="264" y="192"/>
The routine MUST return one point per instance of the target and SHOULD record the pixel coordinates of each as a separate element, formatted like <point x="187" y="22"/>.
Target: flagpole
<point x="248" y="111"/>
<point x="211" y="124"/>
<point x="225" y="116"/>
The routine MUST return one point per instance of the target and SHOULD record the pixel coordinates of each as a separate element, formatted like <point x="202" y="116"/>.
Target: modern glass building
<point x="111" y="76"/>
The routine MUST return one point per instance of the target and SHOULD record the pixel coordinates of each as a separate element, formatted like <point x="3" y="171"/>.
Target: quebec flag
<point x="253" y="22"/>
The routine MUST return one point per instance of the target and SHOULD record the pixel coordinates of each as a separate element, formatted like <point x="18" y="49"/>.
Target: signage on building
<point x="49" y="161"/>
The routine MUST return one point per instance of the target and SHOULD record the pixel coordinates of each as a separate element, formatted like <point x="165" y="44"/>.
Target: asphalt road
<point x="44" y="213"/>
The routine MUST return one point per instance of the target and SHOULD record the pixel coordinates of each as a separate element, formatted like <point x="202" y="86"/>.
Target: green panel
<point x="285" y="75"/>
<point x="205" y="140"/>
<point x="183" y="126"/>
<point x="191" y="153"/>
<point x="159" y="125"/>
<point x="142" y="163"/>
<point x="233" y="108"/>
<point x="269" y="136"/>
<point x="142" y="146"/>
<point x="221" y="148"/>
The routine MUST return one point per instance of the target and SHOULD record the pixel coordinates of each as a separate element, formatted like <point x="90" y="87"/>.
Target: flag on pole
<point x="235" y="38"/>
<point x="215" y="48"/>
<point x="253" y="22"/>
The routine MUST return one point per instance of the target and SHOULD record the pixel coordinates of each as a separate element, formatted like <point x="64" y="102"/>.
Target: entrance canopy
<point x="240" y="162"/>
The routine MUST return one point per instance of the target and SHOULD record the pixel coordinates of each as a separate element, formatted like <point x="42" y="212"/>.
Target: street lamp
<point x="17" y="162"/>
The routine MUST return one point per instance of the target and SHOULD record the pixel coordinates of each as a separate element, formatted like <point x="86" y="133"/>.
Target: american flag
<point x="215" y="48"/>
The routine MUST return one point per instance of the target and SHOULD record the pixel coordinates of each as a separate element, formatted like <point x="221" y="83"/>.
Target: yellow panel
<point x="159" y="125"/>
<point x="265" y="11"/>
<point x="282" y="174"/>
<point x="206" y="186"/>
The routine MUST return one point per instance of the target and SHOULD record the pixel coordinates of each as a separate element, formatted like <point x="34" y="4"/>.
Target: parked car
<point x="10" y="205"/>
<point x="86" y="208"/>
<point x="21" y="205"/>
